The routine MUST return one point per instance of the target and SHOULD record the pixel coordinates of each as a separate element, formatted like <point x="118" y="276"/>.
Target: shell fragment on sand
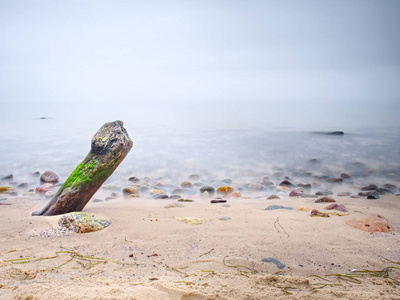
<point x="83" y="223"/>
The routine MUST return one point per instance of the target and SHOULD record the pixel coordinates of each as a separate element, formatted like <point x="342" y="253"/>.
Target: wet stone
<point x="286" y="183"/>
<point x="160" y="196"/>
<point x="345" y="176"/>
<point x="186" y="185"/>
<point x="339" y="207"/>
<point x="8" y="177"/>
<point x="22" y="185"/>
<point x="175" y="196"/>
<point x="323" y="193"/>
<point x="218" y="201"/>
<point x="225" y="190"/>
<point x="344" y="194"/>
<point x="133" y="179"/>
<point x="363" y="194"/>
<point x="273" y="197"/>
<point x="305" y="187"/>
<point x="194" y="177"/>
<point x="209" y="189"/>
<point x="317" y="213"/>
<point x="296" y="193"/>
<point x="390" y="187"/>
<point x="309" y="196"/>
<point x="334" y="180"/>
<point x="382" y="191"/>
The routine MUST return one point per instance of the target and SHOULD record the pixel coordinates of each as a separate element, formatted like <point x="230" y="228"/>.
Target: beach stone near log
<point x="83" y="223"/>
<point x="109" y="147"/>
<point x="50" y="177"/>
<point x="370" y="223"/>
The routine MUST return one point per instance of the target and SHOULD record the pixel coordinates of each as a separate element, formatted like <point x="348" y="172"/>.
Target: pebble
<point x="270" y="197"/>
<point x="186" y="185"/>
<point x="224" y="219"/>
<point x="309" y="196"/>
<point x="276" y="262"/>
<point x="8" y="190"/>
<point x="363" y="194"/>
<point x="235" y="194"/>
<point x="345" y="176"/>
<point x="8" y="177"/>
<point x="36" y="174"/>
<point x="305" y="187"/>
<point x="49" y="176"/>
<point x="49" y="194"/>
<point x="111" y="187"/>
<point x="22" y="185"/>
<point x="286" y="183"/>
<point x="334" y="180"/>
<point x="390" y="187"/>
<point x="370" y="187"/>
<point x="194" y="177"/>
<point x="44" y="188"/>
<point x="274" y="207"/>
<point x="133" y="179"/>
<point x="382" y="191"/>
<point x="207" y="189"/>
<point x="325" y="199"/>
<point x="373" y="195"/>
<point x="296" y="193"/>
<point x="282" y="188"/>
<point x="317" y="213"/>
<point x="339" y="207"/>
<point x="175" y="196"/>
<point x="255" y="187"/>
<point x="344" y="194"/>
<point x="323" y="193"/>
<point x="218" y="201"/>
<point x="160" y="196"/>
<point x="130" y="190"/>
<point x="225" y="190"/>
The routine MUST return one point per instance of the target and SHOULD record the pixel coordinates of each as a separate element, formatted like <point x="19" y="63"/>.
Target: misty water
<point x="175" y="142"/>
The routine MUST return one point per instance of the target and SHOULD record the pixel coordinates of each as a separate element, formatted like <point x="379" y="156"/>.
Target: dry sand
<point x="151" y="255"/>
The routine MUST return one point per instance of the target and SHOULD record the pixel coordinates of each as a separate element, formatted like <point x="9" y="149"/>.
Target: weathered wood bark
<point x="110" y="145"/>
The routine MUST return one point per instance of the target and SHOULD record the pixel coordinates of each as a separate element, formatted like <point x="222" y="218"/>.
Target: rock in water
<point x="109" y="147"/>
<point x="82" y="222"/>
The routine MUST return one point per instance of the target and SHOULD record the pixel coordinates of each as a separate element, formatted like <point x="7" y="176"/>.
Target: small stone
<point x="96" y="200"/>
<point x="8" y="190"/>
<point x="296" y="193"/>
<point x="270" y="197"/>
<point x="276" y="262"/>
<point x="144" y="189"/>
<point x="225" y="190"/>
<point x="317" y="213"/>
<point x="274" y="207"/>
<point x="255" y="187"/>
<point x="373" y="195"/>
<point x="175" y="196"/>
<point x="207" y="189"/>
<point x="325" y="199"/>
<point x="334" y="180"/>
<point x="370" y="187"/>
<point x="305" y="187"/>
<point x="390" y="187"/>
<point x="156" y="191"/>
<point x="282" y="188"/>
<point x="50" y="177"/>
<point x="224" y="219"/>
<point x="363" y="194"/>
<point x="160" y="196"/>
<point x="82" y="223"/>
<point x="309" y="196"/>
<point x="36" y="174"/>
<point x="323" y="193"/>
<point x="186" y="185"/>
<point x="133" y="179"/>
<point x="383" y="191"/>
<point x="286" y="183"/>
<point x="133" y="196"/>
<point x="218" y="201"/>
<point x="185" y="200"/>
<point x="22" y="185"/>
<point x="8" y="177"/>
<point x="178" y="191"/>
<point x="339" y="207"/>
<point x="130" y="190"/>
<point x="28" y="194"/>
<point x="44" y="188"/>
<point x="226" y="181"/>
<point x="345" y="176"/>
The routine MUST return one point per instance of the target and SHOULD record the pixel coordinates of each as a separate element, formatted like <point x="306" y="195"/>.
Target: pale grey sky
<point x="317" y="53"/>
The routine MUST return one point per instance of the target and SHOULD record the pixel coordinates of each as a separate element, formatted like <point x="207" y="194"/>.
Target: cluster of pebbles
<point x="275" y="186"/>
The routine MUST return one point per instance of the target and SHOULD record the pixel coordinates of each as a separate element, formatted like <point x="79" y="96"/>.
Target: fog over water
<point x="220" y="88"/>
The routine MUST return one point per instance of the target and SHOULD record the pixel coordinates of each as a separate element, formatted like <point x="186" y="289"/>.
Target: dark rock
<point x="373" y="195"/>
<point x="336" y="133"/>
<point x="218" y="201"/>
<point x="273" y="197"/>
<point x="133" y="179"/>
<point x="363" y="194"/>
<point x="8" y="177"/>
<point x="109" y="147"/>
<point x="274" y="207"/>
<point x="226" y="181"/>
<point x="276" y="262"/>
<point x="22" y="185"/>
<point x="325" y="199"/>
<point x="382" y="191"/>
<point x="49" y="176"/>
<point x="370" y="187"/>
<point x="36" y="174"/>
<point x="390" y="187"/>
<point x="209" y="189"/>
<point x="175" y="197"/>
<point x="286" y="183"/>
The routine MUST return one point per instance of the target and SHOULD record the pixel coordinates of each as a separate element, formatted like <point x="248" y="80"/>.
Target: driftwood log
<point x="109" y="147"/>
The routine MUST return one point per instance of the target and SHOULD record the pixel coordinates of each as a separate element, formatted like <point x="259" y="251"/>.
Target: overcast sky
<point x="133" y="52"/>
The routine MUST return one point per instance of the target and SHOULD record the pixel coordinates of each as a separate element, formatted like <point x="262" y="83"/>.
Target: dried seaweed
<point x="277" y="222"/>
<point x="207" y="252"/>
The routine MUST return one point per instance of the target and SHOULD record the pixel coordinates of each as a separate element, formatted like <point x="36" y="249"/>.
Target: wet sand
<point x="147" y="254"/>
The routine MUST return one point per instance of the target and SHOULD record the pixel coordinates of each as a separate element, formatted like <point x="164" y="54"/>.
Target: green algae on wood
<point x="110" y="145"/>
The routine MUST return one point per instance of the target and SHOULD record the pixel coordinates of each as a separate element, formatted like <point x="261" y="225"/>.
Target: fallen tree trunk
<point x="109" y="147"/>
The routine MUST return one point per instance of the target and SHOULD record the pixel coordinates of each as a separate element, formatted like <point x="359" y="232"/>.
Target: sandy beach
<point x="146" y="253"/>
